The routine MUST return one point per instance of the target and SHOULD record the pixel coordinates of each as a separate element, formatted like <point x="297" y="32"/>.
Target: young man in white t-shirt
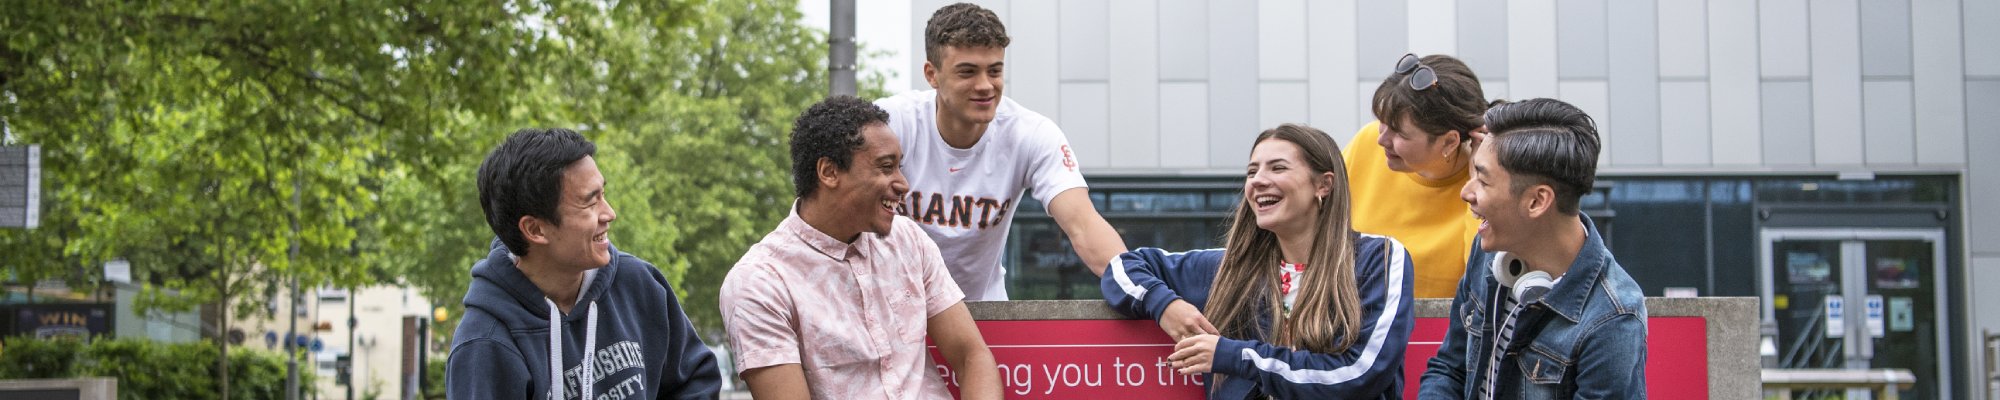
<point x="970" y="152"/>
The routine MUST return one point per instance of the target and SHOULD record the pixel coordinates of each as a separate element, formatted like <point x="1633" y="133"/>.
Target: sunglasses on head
<point x="1421" y="76"/>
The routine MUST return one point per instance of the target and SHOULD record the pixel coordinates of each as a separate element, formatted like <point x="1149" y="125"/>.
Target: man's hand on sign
<point x="1181" y="321"/>
<point x="1194" y="355"/>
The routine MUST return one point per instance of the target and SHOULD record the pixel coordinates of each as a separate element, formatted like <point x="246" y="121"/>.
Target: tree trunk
<point x="222" y="341"/>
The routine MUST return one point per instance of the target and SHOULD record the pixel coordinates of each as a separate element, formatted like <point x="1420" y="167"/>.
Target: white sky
<point x="879" y="25"/>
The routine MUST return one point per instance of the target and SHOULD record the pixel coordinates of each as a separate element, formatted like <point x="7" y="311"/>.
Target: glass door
<point x="1858" y="299"/>
<point x="1902" y="315"/>
<point x="1808" y="303"/>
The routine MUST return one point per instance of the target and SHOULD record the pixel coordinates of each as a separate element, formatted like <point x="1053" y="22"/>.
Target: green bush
<point x="151" y="370"/>
<point x="434" y="378"/>
<point x="23" y="357"/>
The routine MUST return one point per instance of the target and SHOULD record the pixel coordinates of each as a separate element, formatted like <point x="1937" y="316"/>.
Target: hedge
<point x="151" y="370"/>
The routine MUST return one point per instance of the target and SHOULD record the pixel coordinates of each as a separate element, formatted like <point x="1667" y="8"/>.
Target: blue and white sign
<point x="1836" y="319"/>
<point x="1874" y="313"/>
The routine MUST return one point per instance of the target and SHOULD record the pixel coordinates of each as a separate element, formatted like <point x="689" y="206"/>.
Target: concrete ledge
<point x="1025" y="310"/>
<point x="50" y="389"/>
<point x="1733" y="369"/>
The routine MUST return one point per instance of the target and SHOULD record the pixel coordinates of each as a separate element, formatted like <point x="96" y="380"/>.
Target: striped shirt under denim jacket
<point x="1584" y="338"/>
<point x="1141" y="283"/>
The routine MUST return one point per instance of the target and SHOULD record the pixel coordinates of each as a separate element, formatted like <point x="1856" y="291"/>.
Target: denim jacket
<point x="1585" y="339"/>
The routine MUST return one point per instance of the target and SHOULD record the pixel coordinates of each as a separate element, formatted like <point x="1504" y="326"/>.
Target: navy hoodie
<point x="627" y="317"/>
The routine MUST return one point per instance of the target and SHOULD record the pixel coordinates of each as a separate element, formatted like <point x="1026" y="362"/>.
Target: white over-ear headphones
<point x="1531" y="280"/>
<point x="1509" y="271"/>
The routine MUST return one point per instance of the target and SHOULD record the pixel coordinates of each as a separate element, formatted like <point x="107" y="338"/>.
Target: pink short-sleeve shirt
<point x="852" y="315"/>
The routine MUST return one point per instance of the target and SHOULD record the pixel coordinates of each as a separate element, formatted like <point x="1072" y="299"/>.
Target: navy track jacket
<point x="1141" y="283"/>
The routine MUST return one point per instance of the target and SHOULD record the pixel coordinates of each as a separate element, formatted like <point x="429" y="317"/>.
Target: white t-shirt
<point x="965" y="198"/>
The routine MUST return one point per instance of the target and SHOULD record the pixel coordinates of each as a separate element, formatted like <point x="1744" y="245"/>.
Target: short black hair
<point x="524" y="177"/>
<point x="1546" y="141"/>
<point x="830" y="129"/>
<point x="962" y="25"/>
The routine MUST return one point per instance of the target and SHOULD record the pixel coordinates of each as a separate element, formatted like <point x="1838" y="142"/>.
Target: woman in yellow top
<point x="1407" y="167"/>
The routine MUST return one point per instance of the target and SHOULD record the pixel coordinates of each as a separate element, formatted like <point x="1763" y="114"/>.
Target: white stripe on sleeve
<point x="1137" y="292"/>
<point x="1383" y="324"/>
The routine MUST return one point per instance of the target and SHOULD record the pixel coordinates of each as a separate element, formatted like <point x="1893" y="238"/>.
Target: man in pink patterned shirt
<point x="836" y="302"/>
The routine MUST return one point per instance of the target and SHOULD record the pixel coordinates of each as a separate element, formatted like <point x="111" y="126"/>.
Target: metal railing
<point x="1885" y="383"/>
<point x="1992" y="363"/>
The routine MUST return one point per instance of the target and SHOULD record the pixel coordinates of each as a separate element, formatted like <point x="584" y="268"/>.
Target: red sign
<point x="1096" y="359"/>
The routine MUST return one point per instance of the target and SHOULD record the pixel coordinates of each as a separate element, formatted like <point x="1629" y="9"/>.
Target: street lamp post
<point x="840" y="50"/>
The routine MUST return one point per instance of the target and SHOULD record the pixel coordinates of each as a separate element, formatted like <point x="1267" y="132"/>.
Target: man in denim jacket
<point x="1544" y="311"/>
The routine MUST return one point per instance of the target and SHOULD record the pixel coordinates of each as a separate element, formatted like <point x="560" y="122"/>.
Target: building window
<point x="1682" y="232"/>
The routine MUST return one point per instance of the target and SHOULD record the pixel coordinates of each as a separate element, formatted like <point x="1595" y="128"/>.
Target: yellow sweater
<point x="1427" y="216"/>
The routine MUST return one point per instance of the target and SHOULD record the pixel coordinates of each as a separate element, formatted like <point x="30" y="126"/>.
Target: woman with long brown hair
<point x="1303" y="306"/>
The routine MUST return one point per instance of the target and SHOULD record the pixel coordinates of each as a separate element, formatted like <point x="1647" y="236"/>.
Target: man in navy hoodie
<point x="554" y="303"/>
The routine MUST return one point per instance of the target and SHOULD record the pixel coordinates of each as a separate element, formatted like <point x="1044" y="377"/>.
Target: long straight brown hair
<point x="1326" y="317"/>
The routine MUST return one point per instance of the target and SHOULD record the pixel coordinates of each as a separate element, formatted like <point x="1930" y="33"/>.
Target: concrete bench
<point x="66" y="389"/>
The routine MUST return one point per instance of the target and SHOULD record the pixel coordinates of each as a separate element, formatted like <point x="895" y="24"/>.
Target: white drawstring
<point x="589" y="373"/>
<point x="590" y="354"/>
<point x="555" y="351"/>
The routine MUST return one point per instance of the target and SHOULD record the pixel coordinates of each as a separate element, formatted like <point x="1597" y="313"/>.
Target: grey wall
<point x="1679" y="86"/>
<point x="1682" y="87"/>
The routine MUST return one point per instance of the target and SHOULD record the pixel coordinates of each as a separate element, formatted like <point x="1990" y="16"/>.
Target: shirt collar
<point x="820" y="241"/>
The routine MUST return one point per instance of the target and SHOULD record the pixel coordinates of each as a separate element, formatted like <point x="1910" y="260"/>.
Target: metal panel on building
<point x="1836" y="82"/>
<point x="1134" y="109"/>
<point x="1733" y="82"/>
<point x="1888" y="128"/>
<point x="1684" y="135"/>
<point x="1635" y="83"/>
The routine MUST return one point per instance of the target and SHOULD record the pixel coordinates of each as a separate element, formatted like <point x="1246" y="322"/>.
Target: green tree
<point x="692" y="127"/>
<point x="176" y="135"/>
<point x="226" y="148"/>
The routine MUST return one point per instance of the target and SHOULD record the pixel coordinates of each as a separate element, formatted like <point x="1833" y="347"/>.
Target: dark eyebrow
<point x="1479" y="169"/>
<point x="593" y="194"/>
<point x="968" y="64"/>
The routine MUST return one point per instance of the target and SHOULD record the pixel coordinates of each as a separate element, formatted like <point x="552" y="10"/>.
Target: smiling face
<point x="873" y="180"/>
<point x="1411" y="149"/>
<point x="583" y="238"/>
<point x="968" y="82"/>
<point x="1281" y="188"/>
<point x="1491" y="196"/>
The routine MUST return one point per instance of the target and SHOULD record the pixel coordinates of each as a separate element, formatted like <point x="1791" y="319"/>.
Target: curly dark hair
<point x="524" y="177"/>
<point x="830" y="129"/>
<point x="962" y="25"/>
<point x="1546" y="141"/>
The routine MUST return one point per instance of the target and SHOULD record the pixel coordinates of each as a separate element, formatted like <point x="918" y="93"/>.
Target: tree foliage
<point x="176" y="134"/>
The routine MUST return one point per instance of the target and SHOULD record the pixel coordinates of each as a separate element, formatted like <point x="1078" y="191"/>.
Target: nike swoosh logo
<point x="955" y="170"/>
